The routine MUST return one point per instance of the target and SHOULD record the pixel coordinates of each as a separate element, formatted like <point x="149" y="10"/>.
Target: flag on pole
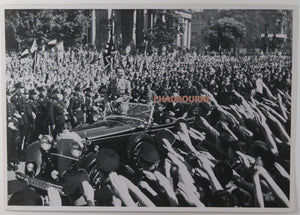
<point x="34" y="63"/>
<point x="24" y="53"/>
<point x="107" y="55"/>
<point x="34" y="46"/>
<point x="52" y="42"/>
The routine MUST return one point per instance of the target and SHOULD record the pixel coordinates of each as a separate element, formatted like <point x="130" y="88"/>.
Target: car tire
<point x="132" y="147"/>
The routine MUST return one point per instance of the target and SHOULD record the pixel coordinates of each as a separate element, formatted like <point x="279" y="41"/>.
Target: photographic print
<point x="148" y="108"/>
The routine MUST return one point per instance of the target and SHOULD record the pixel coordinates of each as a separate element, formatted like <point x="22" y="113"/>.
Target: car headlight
<point x="96" y="117"/>
<point x="30" y="168"/>
<point x="46" y="142"/>
<point x="96" y="148"/>
<point x="76" y="150"/>
<point x="54" y="174"/>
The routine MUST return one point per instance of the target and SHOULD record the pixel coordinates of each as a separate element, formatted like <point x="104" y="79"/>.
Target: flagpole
<point x="146" y="46"/>
<point x="112" y="36"/>
<point x="34" y="62"/>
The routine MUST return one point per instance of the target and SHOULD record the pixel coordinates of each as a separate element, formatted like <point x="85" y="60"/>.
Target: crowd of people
<point x="237" y="154"/>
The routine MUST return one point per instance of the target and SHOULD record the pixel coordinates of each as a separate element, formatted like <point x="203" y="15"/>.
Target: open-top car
<point x="125" y="130"/>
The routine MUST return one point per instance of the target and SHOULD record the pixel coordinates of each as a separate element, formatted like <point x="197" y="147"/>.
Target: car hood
<point x="108" y="127"/>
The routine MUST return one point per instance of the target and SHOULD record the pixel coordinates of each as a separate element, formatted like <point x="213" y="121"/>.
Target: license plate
<point x="38" y="183"/>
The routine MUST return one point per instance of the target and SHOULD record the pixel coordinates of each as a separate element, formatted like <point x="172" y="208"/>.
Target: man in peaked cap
<point x="32" y="113"/>
<point x="89" y="103"/>
<point x="76" y="108"/>
<point x="13" y="132"/>
<point x="42" y="116"/>
<point x="19" y="101"/>
<point x="56" y="112"/>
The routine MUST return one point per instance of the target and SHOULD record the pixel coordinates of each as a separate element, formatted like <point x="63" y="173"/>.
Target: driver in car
<point x="118" y="90"/>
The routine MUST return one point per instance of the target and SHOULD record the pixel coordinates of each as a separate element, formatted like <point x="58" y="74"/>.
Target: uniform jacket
<point x="56" y="113"/>
<point x="118" y="88"/>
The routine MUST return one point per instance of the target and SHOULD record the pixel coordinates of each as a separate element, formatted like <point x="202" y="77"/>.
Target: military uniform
<point x="13" y="134"/>
<point x="56" y="116"/>
<point x="75" y="109"/>
<point x="119" y="88"/>
<point x="42" y="117"/>
<point x="33" y="109"/>
<point x="88" y="108"/>
<point x="21" y="105"/>
<point x="135" y="94"/>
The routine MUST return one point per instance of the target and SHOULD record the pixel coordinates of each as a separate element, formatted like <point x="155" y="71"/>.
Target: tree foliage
<point x="22" y="26"/>
<point x="165" y="30"/>
<point x="257" y="22"/>
<point x="226" y="32"/>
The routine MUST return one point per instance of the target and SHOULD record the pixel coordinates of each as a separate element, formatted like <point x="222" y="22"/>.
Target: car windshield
<point x="140" y="111"/>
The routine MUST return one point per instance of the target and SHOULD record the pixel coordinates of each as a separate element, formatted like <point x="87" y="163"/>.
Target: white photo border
<point x="82" y="5"/>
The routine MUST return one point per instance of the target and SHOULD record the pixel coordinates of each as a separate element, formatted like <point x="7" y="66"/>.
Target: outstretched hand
<point x="88" y="191"/>
<point x="53" y="198"/>
<point x="191" y="196"/>
<point x="120" y="190"/>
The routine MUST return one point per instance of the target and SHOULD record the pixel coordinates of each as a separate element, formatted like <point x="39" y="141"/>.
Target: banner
<point x="52" y="42"/>
<point x="34" y="46"/>
<point x="24" y="53"/>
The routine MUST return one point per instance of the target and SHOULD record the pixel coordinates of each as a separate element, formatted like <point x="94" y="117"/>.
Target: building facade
<point x="130" y="26"/>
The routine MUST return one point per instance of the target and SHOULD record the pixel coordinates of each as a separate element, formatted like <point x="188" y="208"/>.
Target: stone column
<point x="185" y="35"/>
<point x="189" y="33"/>
<point x="93" y="36"/>
<point x="134" y="28"/>
<point x="145" y="27"/>
<point x="151" y="20"/>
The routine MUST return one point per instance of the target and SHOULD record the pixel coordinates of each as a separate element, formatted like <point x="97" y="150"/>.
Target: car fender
<point x="33" y="153"/>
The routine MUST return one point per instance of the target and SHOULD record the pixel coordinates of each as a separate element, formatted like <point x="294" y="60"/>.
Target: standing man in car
<point x="119" y="88"/>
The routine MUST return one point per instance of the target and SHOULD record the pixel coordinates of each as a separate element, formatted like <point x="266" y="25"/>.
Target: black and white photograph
<point x="149" y="108"/>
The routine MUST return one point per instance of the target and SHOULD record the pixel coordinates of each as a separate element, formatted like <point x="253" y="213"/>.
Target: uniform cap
<point x="19" y="85"/>
<point x="41" y="89"/>
<point x="77" y="88"/>
<point x="33" y="92"/>
<point x="55" y="91"/>
<point x="88" y="90"/>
